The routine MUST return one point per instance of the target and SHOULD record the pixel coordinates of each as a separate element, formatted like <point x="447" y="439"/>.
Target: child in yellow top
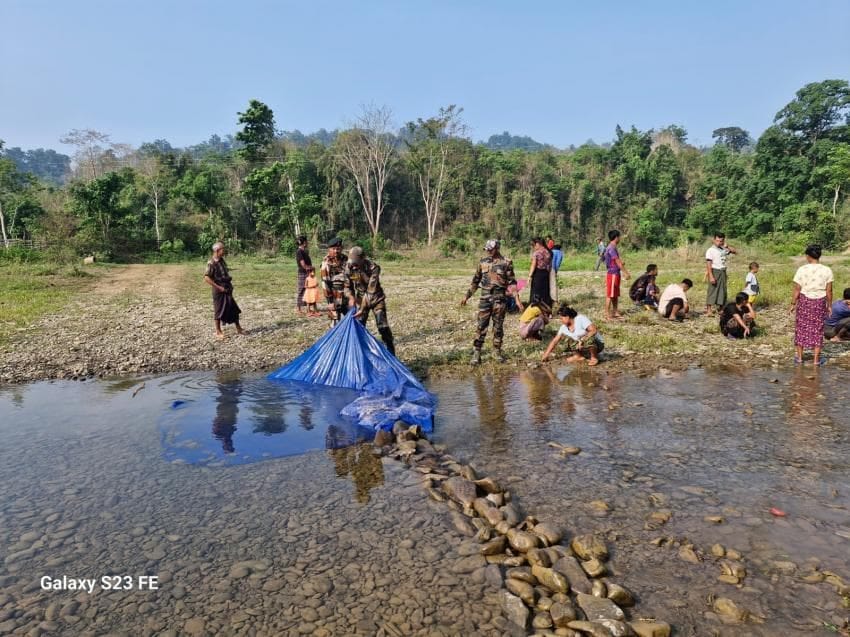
<point x="534" y="319"/>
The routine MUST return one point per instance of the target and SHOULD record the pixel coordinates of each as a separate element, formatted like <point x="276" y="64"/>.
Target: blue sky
<point x="559" y="71"/>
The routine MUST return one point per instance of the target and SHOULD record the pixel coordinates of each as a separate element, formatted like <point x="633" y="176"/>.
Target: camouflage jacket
<point x="494" y="275"/>
<point x="364" y="279"/>
<point x="332" y="273"/>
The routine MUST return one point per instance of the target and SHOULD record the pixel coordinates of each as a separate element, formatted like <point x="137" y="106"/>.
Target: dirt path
<point x="152" y="281"/>
<point x="147" y="319"/>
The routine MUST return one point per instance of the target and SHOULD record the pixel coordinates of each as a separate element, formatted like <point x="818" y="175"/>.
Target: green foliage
<point x="789" y="187"/>
<point x="258" y="132"/>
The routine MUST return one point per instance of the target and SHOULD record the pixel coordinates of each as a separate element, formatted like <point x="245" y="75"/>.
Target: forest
<point x="427" y="183"/>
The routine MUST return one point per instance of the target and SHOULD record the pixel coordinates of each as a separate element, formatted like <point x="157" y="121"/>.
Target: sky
<point x="561" y="72"/>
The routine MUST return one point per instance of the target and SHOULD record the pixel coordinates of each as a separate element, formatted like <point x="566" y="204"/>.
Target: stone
<point x="542" y="620"/>
<point x="523" y="590"/>
<point x="620" y="595"/>
<point x="650" y="629"/>
<point x="494" y="546"/>
<point x="522" y="573"/>
<point x="598" y="589"/>
<point x="511" y="514"/>
<point x="596" y="608"/>
<point x="194" y="626"/>
<point x="551" y="579"/>
<point x="688" y="554"/>
<point x="460" y="490"/>
<point x="549" y="532"/>
<point x="469" y="473"/>
<point x="562" y="613"/>
<point x="322" y="584"/>
<point x="488" y="485"/>
<point x="569" y="567"/>
<point x="589" y="546"/>
<point x="784" y="567"/>
<point x="461" y="524"/>
<point x="717" y="550"/>
<point x="732" y="554"/>
<point x="273" y="585"/>
<point x="522" y="541"/>
<point x="469" y="564"/>
<point x="538" y="557"/>
<point x="728" y="611"/>
<point x="594" y="568"/>
<point x="515" y="610"/>
<point x="617" y="628"/>
<point x="590" y="628"/>
<point x="714" y="519"/>
<point x="384" y="438"/>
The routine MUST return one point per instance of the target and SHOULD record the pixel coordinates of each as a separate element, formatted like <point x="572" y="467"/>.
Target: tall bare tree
<point x="429" y="156"/>
<point x="90" y="145"/>
<point x="368" y="154"/>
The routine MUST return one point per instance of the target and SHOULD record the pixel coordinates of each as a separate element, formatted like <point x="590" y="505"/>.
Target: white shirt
<point x="672" y="291"/>
<point x="580" y="325"/>
<point x="812" y="279"/>
<point x="751" y="285"/>
<point x="717" y="256"/>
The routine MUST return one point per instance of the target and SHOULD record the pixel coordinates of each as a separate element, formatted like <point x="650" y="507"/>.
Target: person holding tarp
<point x="217" y="276"/>
<point x="495" y="276"/>
<point x="363" y="289"/>
<point x="332" y="273"/>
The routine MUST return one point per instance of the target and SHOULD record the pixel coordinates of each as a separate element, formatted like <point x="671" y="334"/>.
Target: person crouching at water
<point x="673" y="303"/>
<point x="837" y="327"/>
<point x="736" y="321"/>
<point x="217" y="276"/>
<point x="533" y="320"/>
<point x="583" y="337"/>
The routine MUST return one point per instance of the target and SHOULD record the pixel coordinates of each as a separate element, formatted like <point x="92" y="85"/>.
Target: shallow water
<point x="344" y="542"/>
<point x="730" y="443"/>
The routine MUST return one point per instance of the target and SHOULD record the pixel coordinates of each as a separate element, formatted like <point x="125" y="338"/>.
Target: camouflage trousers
<point x="491" y="306"/>
<point x="381" y="322"/>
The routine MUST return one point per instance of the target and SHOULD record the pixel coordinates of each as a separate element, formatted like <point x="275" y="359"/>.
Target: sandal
<point x="821" y="361"/>
<point x="797" y="361"/>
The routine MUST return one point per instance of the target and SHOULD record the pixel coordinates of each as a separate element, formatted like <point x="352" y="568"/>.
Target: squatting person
<point x="584" y="338"/>
<point x="363" y="289"/>
<point x="494" y="275"/>
<point x="217" y="276"/>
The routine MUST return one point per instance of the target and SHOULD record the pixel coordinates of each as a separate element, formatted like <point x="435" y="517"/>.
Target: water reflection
<point x="226" y="412"/>
<point x="253" y="419"/>
<point x="363" y="467"/>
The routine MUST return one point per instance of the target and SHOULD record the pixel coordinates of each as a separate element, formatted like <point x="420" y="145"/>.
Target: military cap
<point x="336" y="242"/>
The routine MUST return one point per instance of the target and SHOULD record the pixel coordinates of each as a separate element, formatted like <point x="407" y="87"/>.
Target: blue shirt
<point x="840" y="311"/>
<point x="557" y="258"/>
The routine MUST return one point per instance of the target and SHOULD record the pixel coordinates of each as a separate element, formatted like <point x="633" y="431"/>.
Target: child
<point x="751" y="286"/>
<point x="533" y="320"/>
<point x="311" y="293"/>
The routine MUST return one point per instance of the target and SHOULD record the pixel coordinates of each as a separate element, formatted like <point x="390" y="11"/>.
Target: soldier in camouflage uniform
<point x="332" y="273"/>
<point x="363" y="289"/>
<point x="495" y="275"/>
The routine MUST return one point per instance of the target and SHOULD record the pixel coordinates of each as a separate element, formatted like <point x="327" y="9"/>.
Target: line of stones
<point x="552" y="588"/>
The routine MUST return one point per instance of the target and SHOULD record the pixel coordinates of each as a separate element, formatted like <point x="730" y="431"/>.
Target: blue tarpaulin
<point x="349" y="356"/>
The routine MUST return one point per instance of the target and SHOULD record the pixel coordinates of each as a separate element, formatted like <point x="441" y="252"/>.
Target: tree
<point x="429" y="158"/>
<point x="733" y="137"/>
<point x="258" y="132"/>
<point x="368" y="154"/>
<point x="156" y="179"/>
<point x="16" y="196"/>
<point x="817" y="108"/>
<point x="90" y="145"/>
<point x="104" y="203"/>
<point x="836" y="171"/>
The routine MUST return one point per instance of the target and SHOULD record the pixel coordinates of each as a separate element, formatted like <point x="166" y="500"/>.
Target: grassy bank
<point x="31" y="288"/>
<point x="433" y="333"/>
